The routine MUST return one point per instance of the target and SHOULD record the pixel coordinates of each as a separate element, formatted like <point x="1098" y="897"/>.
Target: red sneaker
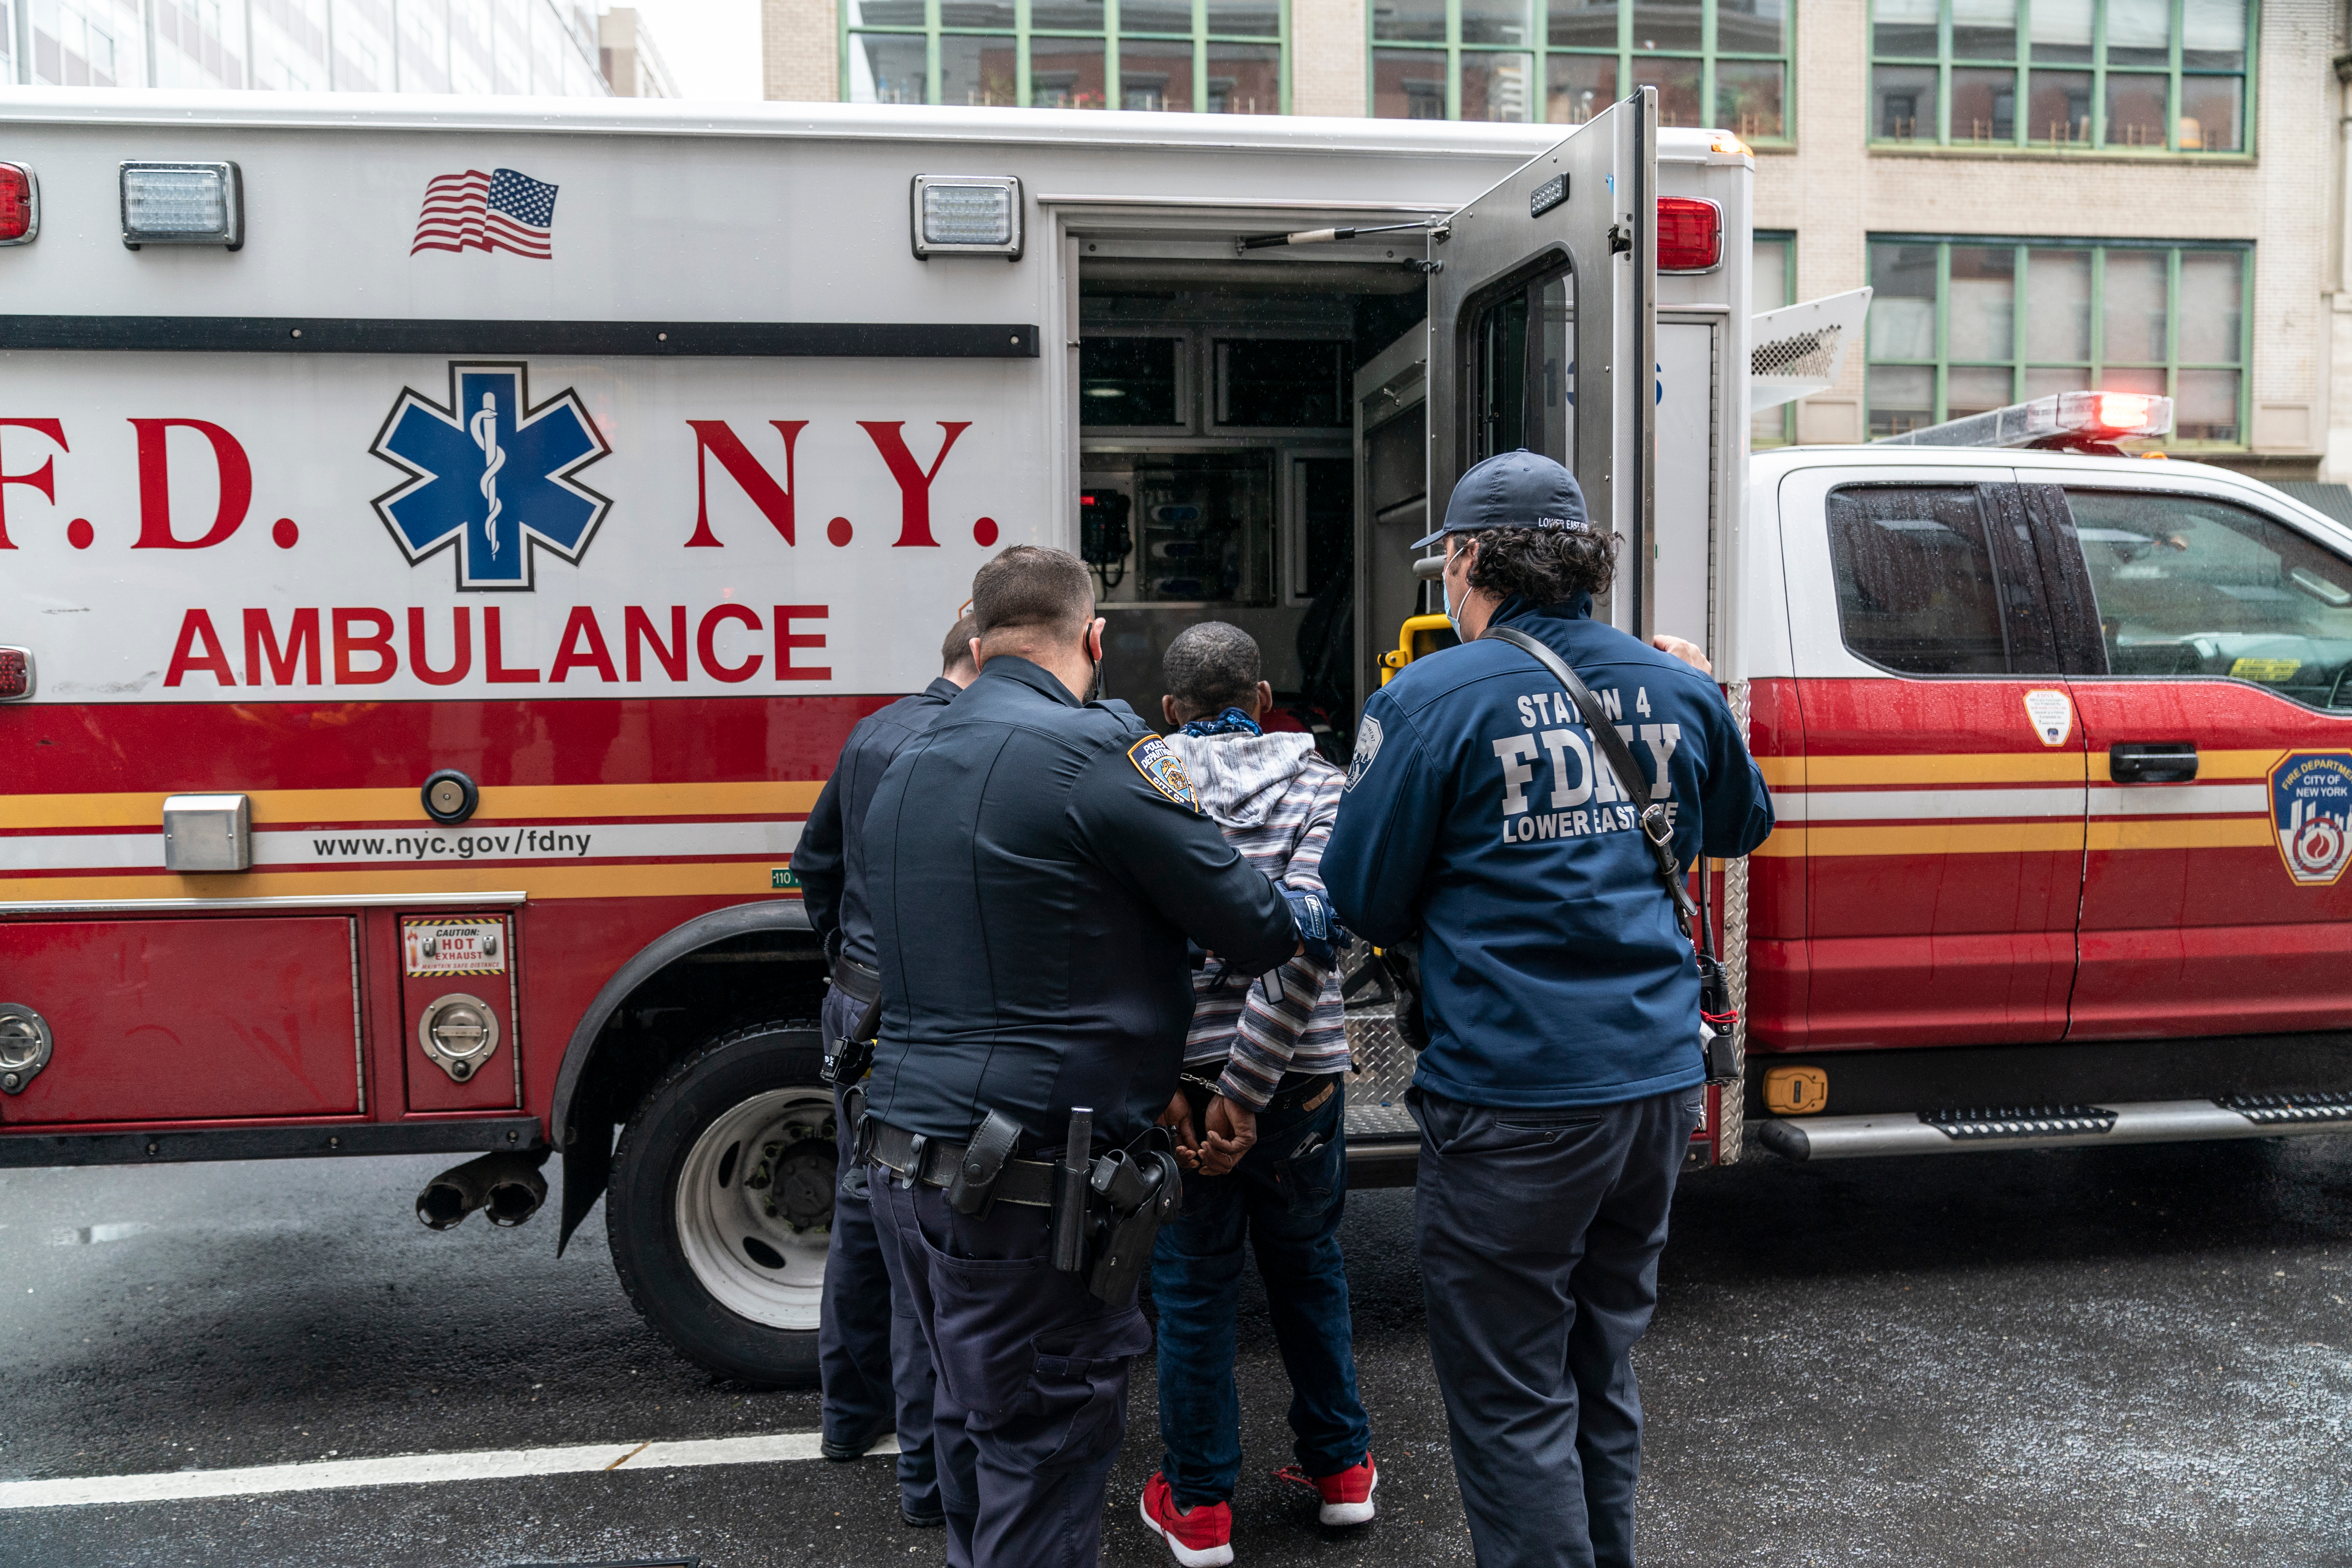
<point x="1346" y="1497"/>
<point x="1199" y="1537"/>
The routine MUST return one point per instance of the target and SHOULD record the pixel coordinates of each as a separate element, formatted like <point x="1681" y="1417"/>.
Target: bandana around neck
<point x="1232" y="721"/>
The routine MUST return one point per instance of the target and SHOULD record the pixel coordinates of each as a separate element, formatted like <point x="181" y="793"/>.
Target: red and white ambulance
<point x="444" y="544"/>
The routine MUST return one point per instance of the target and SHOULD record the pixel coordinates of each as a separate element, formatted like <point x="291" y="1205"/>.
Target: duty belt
<point x="934" y="1162"/>
<point x="857" y="982"/>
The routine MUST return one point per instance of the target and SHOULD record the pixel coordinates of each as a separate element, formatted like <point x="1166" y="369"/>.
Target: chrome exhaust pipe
<point x="507" y="1183"/>
<point x="2054" y="1127"/>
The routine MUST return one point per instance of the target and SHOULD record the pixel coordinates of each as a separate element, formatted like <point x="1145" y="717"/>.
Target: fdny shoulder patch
<point x="1163" y="770"/>
<point x="1368" y="746"/>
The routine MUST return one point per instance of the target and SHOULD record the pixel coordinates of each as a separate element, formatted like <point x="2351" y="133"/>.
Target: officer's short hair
<point x="956" y="647"/>
<point x="1542" y="566"/>
<point x="1210" y="667"/>
<point x="1031" y="588"/>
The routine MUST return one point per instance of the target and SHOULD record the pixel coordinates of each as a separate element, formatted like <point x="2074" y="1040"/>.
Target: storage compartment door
<point x="187" y="1020"/>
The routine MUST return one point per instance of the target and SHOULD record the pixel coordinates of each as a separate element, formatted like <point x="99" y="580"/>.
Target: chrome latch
<point x="25" y="1043"/>
<point x="460" y="1034"/>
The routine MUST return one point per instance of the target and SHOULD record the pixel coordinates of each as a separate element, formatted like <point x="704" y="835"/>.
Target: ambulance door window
<point x="2215" y="897"/>
<point x="1944" y="789"/>
<point x="1522" y="369"/>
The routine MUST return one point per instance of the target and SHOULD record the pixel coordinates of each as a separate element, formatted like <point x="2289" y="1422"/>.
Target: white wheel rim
<point x="723" y="1223"/>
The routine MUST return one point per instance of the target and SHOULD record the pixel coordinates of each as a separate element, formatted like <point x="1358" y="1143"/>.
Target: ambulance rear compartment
<point x="1218" y="470"/>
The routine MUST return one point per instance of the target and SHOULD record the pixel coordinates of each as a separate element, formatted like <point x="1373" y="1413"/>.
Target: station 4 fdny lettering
<point x="1157" y="761"/>
<point x="1584" y="797"/>
<point x="2311" y="807"/>
<point x="491" y="475"/>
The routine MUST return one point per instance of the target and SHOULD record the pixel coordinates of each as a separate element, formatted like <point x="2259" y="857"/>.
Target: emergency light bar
<point x="960" y="214"/>
<point x="20" y="204"/>
<point x="183" y="203"/>
<point x="2078" y="421"/>
<point x="1690" y="235"/>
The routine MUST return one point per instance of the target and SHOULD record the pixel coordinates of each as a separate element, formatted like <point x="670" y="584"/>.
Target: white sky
<point x="711" y="47"/>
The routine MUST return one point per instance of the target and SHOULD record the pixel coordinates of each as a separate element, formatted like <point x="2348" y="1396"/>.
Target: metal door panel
<point x="148" y="1029"/>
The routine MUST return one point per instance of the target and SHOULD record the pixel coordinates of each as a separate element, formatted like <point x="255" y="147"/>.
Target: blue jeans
<point x="1286" y="1196"/>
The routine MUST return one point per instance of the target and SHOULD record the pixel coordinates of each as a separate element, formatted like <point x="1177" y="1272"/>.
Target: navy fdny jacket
<point x="1034" y="866"/>
<point x="830" y="859"/>
<point x="1479" y="813"/>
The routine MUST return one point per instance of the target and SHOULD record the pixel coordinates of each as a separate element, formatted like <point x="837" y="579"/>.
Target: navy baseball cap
<point x="1517" y="489"/>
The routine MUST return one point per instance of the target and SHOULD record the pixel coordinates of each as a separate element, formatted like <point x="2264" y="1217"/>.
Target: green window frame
<point x="2102" y="76"/>
<point x="1722" y="64"/>
<point x="1210" y="55"/>
<point x="1769" y="288"/>
<point x="1959" y="324"/>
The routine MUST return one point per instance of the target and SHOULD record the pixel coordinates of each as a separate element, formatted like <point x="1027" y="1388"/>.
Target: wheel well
<point x="681" y="997"/>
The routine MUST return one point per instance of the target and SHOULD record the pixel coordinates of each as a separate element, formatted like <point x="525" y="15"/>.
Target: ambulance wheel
<point x="721" y="1204"/>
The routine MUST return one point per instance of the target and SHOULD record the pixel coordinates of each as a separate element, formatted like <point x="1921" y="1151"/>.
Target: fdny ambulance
<point x="445" y="543"/>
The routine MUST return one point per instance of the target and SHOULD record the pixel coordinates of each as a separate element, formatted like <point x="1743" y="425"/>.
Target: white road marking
<point x="417" y="1469"/>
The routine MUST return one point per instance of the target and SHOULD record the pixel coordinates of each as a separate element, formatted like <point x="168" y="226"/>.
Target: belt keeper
<point x="918" y="1145"/>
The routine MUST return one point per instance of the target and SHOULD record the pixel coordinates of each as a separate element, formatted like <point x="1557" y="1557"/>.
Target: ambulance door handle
<point x="2152" y="762"/>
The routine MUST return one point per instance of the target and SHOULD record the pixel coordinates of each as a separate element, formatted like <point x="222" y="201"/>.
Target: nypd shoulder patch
<point x="1163" y="770"/>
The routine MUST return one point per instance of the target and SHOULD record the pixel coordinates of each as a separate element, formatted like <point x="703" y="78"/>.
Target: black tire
<point x="727" y="1078"/>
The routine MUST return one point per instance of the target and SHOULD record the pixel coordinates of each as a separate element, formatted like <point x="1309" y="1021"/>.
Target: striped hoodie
<point x="1275" y="798"/>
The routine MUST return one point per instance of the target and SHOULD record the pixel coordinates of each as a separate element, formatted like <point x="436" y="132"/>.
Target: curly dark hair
<point x="1543" y="566"/>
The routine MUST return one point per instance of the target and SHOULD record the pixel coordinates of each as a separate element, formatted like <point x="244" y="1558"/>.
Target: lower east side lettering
<point x="363" y="645"/>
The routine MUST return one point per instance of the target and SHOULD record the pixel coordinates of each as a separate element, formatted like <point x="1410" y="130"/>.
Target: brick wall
<point x="1326" y="57"/>
<point x="800" y="50"/>
<point x="1834" y="191"/>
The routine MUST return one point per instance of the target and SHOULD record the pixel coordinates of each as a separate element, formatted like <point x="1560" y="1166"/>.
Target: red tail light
<point x="1690" y="235"/>
<point x="20" y="204"/>
<point x="16" y="674"/>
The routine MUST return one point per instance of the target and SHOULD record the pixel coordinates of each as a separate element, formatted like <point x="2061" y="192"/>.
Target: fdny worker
<point x="870" y="1352"/>
<point x="1034" y="864"/>
<point x="1562" y="1077"/>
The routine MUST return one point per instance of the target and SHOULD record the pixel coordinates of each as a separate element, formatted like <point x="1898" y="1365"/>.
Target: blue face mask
<point x="1453" y="616"/>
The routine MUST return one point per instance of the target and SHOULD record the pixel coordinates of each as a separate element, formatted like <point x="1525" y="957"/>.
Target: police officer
<point x="1034" y="863"/>
<point x="1561" y="1083"/>
<point x="876" y="1372"/>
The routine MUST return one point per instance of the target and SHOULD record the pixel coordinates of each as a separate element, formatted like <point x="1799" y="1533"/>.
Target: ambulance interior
<point x="1222" y="450"/>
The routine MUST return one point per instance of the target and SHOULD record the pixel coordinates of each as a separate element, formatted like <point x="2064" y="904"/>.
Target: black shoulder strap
<point x="1655" y="829"/>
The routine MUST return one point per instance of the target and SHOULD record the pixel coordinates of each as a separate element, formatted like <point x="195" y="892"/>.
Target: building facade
<point x="540" y="46"/>
<point x="632" y="65"/>
<point x="2140" y="194"/>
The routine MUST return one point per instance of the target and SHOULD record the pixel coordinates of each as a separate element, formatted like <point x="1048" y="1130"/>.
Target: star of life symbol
<point x="2311" y="807"/>
<point x="490" y="475"/>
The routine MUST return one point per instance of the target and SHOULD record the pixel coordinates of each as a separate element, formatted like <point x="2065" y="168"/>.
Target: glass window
<point x="1228" y="57"/>
<point x="1131" y="381"/>
<point x="1917" y="590"/>
<point x="2190" y="586"/>
<point x="1281" y="383"/>
<point x="1946" y="339"/>
<point x="2160" y="74"/>
<point x="1724" y="63"/>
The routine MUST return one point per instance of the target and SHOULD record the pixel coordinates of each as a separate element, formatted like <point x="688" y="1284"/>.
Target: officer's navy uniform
<point x="1562" y="1078"/>
<point x="1035" y="866"/>
<point x="869" y="1347"/>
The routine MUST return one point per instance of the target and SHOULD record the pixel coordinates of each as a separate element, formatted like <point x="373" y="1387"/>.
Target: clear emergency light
<point x="967" y="214"/>
<point x="1690" y="235"/>
<point x="183" y="203"/>
<point x="20" y="204"/>
<point x="2076" y="420"/>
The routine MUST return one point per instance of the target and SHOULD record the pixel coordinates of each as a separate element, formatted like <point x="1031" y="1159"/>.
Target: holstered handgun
<point x="847" y="1061"/>
<point x="1138" y="1191"/>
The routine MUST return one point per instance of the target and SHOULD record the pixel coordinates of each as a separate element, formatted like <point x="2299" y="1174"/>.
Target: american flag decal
<point x="497" y="211"/>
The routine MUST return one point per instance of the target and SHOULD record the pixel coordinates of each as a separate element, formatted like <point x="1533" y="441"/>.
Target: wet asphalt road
<point x="2128" y="1355"/>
